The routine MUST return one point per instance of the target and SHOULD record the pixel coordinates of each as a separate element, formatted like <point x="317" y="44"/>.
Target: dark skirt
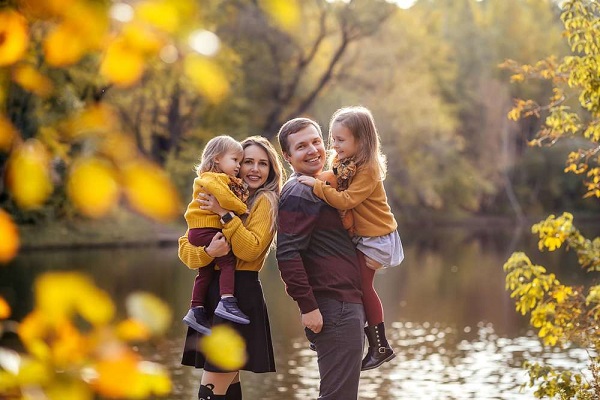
<point x="257" y="334"/>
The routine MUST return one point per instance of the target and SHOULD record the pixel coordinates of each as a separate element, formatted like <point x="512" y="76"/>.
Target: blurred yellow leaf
<point x="224" y="348"/>
<point x="113" y="372"/>
<point x="284" y="12"/>
<point x="132" y="330"/>
<point x="118" y="147"/>
<point x="9" y="245"/>
<point x="160" y="14"/>
<point x="92" y="187"/>
<point x="97" y="118"/>
<point x="207" y="77"/>
<point x="68" y="345"/>
<point x="28" y="175"/>
<point x="141" y="38"/>
<point x="47" y="8"/>
<point x="7" y="134"/>
<point x="68" y="390"/>
<point x="64" y="45"/>
<point x="4" y="309"/>
<point x="150" y="311"/>
<point x="30" y="79"/>
<point x="14" y="37"/>
<point x="122" y="65"/>
<point x="31" y="330"/>
<point x="150" y="191"/>
<point x="60" y="294"/>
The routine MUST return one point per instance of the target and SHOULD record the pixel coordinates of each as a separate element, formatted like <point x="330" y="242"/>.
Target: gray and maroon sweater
<point x="314" y="252"/>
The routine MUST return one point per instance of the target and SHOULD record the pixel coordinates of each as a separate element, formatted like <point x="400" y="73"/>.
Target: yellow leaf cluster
<point x="7" y="134"/>
<point x="29" y="78"/>
<point x="69" y="359"/>
<point x="92" y="187"/>
<point x="207" y="77"/>
<point x="284" y="13"/>
<point x="4" y="309"/>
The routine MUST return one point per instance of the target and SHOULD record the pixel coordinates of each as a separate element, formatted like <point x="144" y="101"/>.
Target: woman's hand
<point x="209" y="202"/>
<point x="218" y="246"/>
<point x="307" y="180"/>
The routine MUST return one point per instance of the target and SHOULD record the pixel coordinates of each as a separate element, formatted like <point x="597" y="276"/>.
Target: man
<point x="319" y="266"/>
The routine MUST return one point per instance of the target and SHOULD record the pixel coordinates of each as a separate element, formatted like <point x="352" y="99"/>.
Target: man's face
<point x="306" y="151"/>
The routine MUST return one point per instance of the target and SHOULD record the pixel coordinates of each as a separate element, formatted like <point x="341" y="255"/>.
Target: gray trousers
<point x="339" y="348"/>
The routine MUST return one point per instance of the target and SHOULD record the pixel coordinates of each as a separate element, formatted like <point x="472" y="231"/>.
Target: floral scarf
<point x="344" y="172"/>
<point x="239" y="188"/>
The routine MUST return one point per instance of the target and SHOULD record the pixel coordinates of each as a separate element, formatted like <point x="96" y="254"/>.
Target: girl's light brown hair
<point x="215" y="148"/>
<point x="360" y="122"/>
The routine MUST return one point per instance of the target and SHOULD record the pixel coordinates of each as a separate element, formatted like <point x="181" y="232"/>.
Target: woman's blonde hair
<point x="272" y="187"/>
<point x="360" y="122"/>
<point x="215" y="148"/>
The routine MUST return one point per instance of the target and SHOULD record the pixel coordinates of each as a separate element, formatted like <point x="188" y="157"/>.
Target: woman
<point x="250" y="241"/>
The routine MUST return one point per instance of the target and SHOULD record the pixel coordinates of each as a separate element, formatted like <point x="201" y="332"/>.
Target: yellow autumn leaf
<point x="68" y="390"/>
<point x="224" y="348"/>
<point x="154" y="380"/>
<point x="9" y="245"/>
<point x="141" y="38"/>
<point x="115" y="370"/>
<point x="14" y="37"/>
<point x="121" y="64"/>
<point x="95" y="119"/>
<point x="64" y="46"/>
<point x="284" y="12"/>
<point x="150" y="191"/>
<point x="47" y="8"/>
<point x="28" y="175"/>
<point x="132" y="330"/>
<point x="92" y="187"/>
<point x="7" y="134"/>
<point x="160" y="14"/>
<point x="68" y="346"/>
<point x="4" y="309"/>
<point x="151" y="311"/>
<point x="29" y="78"/>
<point x="207" y="77"/>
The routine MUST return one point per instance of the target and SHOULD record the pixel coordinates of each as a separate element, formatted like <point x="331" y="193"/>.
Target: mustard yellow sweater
<point x="250" y="241"/>
<point x="215" y="183"/>
<point x="366" y="198"/>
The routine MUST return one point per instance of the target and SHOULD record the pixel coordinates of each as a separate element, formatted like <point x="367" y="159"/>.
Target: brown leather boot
<point x="379" y="350"/>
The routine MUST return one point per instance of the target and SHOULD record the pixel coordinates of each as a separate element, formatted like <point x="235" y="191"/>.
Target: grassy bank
<point x="122" y="228"/>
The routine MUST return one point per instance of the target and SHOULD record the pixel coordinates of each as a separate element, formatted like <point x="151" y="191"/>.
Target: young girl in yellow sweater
<point x="217" y="175"/>
<point x="359" y="168"/>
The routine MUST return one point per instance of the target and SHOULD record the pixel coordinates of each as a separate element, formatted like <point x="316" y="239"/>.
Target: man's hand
<point x="307" y="180"/>
<point x="313" y="320"/>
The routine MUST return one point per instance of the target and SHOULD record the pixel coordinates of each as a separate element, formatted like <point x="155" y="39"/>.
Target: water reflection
<point x="449" y="317"/>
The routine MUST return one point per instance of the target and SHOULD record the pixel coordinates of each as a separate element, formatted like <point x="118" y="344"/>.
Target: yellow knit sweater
<point x="217" y="184"/>
<point x="366" y="198"/>
<point x="250" y="241"/>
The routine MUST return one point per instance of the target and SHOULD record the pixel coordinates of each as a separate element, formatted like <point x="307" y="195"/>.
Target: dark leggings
<point x="371" y="301"/>
<point x="203" y="237"/>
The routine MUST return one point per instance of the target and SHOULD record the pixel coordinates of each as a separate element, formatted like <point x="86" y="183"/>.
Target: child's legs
<point x="371" y="301"/>
<point x="201" y="283"/>
<point x="227" y="278"/>
<point x="201" y="237"/>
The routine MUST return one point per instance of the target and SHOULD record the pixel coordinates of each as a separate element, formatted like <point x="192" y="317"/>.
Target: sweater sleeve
<point x="218" y="188"/>
<point x="250" y="241"/>
<point x="296" y="220"/>
<point x="192" y="256"/>
<point x="362" y="186"/>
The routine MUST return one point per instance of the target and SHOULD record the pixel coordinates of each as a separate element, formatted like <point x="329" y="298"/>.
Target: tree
<point x="564" y="314"/>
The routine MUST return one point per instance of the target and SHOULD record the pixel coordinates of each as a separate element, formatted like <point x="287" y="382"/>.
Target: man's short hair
<point x="291" y="127"/>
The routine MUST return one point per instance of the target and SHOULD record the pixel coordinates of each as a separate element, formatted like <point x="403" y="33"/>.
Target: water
<point x="449" y="318"/>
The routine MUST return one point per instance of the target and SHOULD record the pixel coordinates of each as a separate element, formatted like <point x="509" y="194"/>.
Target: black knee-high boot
<point x="379" y="349"/>
<point x="206" y="393"/>
<point x="234" y="391"/>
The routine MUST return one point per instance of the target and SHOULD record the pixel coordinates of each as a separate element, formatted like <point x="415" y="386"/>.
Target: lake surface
<point x="449" y="318"/>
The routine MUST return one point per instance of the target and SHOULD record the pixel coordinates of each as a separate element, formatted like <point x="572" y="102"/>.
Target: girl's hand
<point x="218" y="246"/>
<point x="209" y="202"/>
<point x="307" y="180"/>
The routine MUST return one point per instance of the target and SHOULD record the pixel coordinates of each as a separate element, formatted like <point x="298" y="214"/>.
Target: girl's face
<point x="255" y="167"/>
<point x="343" y="141"/>
<point x="229" y="163"/>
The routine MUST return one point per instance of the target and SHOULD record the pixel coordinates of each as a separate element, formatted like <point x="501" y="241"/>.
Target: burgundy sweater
<point x="314" y="252"/>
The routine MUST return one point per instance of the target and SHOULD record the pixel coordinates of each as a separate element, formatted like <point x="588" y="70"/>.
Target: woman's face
<point x="255" y="167"/>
